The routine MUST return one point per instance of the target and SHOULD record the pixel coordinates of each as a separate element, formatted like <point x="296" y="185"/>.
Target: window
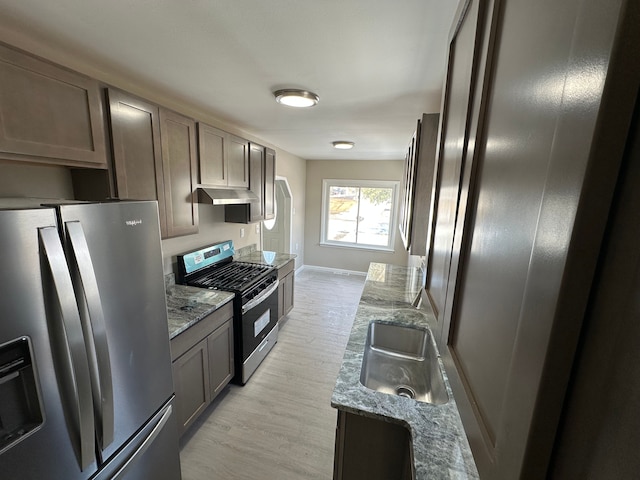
<point x="359" y="213"/>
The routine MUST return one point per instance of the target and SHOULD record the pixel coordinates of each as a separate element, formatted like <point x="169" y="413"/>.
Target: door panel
<point x="28" y="308"/>
<point x="529" y="247"/>
<point x="256" y="181"/>
<point x="180" y="170"/>
<point x="269" y="184"/>
<point x="212" y="155"/>
<point x="151" y="454"/>
<point x="48" y="113"/>
<point x="125" y="238"/>
<point x="237" y="161"/>
<point x="452" y="148"/>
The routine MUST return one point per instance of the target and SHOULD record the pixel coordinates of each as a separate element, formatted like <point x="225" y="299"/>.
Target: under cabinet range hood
<point x="225" y="196"/>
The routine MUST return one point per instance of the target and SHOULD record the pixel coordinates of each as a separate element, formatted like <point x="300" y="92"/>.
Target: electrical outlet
<point x="257" y="228"/>
<point x="242" y="233"/>
<point x="296" y="246"/>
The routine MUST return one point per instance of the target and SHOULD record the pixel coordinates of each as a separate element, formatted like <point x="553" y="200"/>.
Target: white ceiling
<point x="377" y="65"/>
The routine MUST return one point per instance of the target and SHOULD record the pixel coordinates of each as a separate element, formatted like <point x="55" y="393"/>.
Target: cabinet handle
<point x="95" y="333"/>
<point x="77" y="382"/>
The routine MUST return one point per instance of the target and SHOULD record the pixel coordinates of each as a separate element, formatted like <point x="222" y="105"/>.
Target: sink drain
<point x="406" y="392"/>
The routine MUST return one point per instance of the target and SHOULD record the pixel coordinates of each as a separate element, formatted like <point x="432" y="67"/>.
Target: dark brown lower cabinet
<point x="220" y="349"/>
<point x="286" y="276"/>
<point x="202" y="364"/>
<point x="192" y="385"/>
<point x="370" y="449"/>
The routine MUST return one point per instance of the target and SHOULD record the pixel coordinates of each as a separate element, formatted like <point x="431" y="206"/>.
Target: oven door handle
<point x="260" y="298"/>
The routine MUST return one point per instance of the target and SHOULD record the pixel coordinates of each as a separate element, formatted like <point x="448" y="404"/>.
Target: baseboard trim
<point x="336" y="271"/>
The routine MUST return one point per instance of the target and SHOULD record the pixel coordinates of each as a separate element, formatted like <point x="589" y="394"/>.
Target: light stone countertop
<point x="186" y="306"/>
<point x="440" y="446"/>
<point x="265" y="257"/>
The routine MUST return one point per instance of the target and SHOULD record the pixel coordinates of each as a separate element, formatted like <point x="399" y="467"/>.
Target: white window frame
<point x="328" y="183"/>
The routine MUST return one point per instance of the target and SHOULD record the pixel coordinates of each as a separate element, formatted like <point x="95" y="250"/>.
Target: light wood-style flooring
<point x="280" y="425"/>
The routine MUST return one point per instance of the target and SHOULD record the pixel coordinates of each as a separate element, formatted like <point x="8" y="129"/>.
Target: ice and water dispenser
<point x="20" y="409"/>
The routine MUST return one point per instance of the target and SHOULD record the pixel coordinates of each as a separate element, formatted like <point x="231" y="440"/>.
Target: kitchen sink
<point x="402" y="360"/>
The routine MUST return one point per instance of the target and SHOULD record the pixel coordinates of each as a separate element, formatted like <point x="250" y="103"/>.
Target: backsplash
<point x="246" y="250"/>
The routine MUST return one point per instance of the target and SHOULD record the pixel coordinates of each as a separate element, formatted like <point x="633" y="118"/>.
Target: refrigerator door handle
<point x="78" y="384"/>
<point x="95" y="334"/>
<point x="145" y="444"/>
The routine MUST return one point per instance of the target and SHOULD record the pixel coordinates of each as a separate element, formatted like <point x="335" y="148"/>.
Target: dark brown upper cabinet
<point x="180" y="172"/>
<point x="269" y="184"/>
<point x="418" y="185"/>
<point x="261" y="183"/>
<point x="136" y="150"/>
<point x="223" y="158"/>
<point x="407" y="190"/>
<point x="528" y="164"/>
<point x="451" y="157"/>
<point x="49" y="114"/>
<point x="154" y="158"/>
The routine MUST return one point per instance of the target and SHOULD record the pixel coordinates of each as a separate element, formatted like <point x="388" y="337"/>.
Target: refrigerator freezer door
<point x="151" y="454"/>
<point x="32" y="307"/>
<point x="123" y="240"/>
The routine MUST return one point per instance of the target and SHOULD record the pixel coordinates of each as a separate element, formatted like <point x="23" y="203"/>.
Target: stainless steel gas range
<point x="255" y="306"/>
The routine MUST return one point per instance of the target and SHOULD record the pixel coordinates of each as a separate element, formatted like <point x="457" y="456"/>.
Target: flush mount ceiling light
<point x="343" y="145"/>
<point x="293" y="97"/>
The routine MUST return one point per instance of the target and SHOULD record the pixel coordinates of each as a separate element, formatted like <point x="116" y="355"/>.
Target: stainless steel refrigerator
<point x="85" y="370"/>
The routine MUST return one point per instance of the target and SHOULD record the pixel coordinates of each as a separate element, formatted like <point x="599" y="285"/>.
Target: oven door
<point x="258" y="332"/>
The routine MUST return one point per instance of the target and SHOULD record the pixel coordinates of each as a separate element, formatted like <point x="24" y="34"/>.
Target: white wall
<point x="295" y="170"/>
<point x="341" y="257"/>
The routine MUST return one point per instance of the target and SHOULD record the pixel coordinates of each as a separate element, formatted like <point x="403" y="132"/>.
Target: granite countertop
<point x="265" y="258"/>
<point x="188" y="305"/>
<point x="440" y="446"/>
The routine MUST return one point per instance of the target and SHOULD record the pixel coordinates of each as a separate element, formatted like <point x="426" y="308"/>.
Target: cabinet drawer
<point x="286" y="269"/>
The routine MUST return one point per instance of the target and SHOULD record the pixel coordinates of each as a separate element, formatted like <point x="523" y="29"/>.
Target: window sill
<point x="369" y="248"/>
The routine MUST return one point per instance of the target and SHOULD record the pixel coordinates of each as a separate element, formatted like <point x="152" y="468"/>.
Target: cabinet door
<point x="221" y="367"/>
<point x="269" y="184"/>
<point x="423" y="186"/>
<point x="180" y="172"/>
<point x="192" y="384"/>
<point x="49" y="114"/>
<point x="237" y="150"/>
<point x="211" y="153"/>
<point x="254" y="211"/>
<point x="451" y="156"/>
<point x="281" y="312"/>
<point x="288" y="292"/>
<point x="137" y="158"/>
<point x="408" y="182"/>
<point x="256" y="181"/>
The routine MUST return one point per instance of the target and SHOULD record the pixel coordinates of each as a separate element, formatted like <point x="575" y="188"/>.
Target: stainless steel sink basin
<point x="402" y="361"/>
